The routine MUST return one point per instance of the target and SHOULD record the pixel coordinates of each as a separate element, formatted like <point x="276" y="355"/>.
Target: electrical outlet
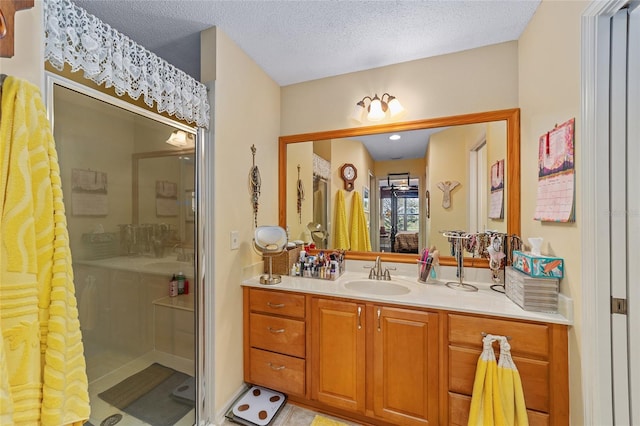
<point x="235" y="240"/>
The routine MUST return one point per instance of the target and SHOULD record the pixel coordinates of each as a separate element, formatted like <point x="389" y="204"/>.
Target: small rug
<point x="147" y="395"/>
<point x="319" y="420"/>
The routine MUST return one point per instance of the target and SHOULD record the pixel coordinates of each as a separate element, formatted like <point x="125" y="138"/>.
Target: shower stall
<point x="129" y="183"/>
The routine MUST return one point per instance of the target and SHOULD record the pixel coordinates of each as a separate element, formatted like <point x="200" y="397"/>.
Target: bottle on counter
<point x="173" y="286"/>
<point x="181" y="278"/>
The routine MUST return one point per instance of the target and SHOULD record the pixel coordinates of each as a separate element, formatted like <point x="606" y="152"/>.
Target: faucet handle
<point x="387" y="274"/>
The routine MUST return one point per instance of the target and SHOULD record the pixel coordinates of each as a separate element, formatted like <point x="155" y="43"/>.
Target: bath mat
<point x="147" y="395"/>
<point x="319" y="420"/>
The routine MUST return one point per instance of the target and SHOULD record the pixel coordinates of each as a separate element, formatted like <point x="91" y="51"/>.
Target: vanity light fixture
<point x="180" y="138"/>
<point x="378" y="107"/>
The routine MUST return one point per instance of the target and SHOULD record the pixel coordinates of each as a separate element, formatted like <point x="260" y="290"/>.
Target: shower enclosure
<point x="129" y="183"/>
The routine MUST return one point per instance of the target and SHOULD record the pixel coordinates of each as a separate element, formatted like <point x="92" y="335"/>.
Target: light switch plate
<point x="235" y="240"/>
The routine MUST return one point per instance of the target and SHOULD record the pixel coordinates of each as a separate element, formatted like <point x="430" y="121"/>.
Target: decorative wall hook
<point x="300" y="196"/>
<point x="254" y="184"/>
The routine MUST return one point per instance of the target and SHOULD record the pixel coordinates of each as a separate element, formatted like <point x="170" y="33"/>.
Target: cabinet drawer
<point x="534" y="375"/>
<point x="277" y="334"/>
<point x="526" y="339"/>
<point x="279" y="372"/>
<point x="276" y="302"/>
<point x="459" y="406"/>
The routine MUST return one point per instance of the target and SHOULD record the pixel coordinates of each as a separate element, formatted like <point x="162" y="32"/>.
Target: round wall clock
<point x="348" y="173"/>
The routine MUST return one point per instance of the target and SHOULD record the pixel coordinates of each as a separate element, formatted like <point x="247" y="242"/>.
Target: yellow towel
<point x="359" y="231"/>
<point x="41" y="349"/>
<point x="515" y="410"/>
<point x="497" y="397"/>
<point x="341" y="238"/>
<point x="319" y="420"/>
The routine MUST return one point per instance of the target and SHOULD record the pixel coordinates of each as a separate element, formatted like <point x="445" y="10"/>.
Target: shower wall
<point x="123" y="297"/>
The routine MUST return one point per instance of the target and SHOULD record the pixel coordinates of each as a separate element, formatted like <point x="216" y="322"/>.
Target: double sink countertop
<point x="405" y="289"/>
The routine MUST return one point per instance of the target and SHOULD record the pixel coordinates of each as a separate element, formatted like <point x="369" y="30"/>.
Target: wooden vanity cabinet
<point x="405" y="365"/>
<point x="394" y="350"/>
<point x="539" y="351"/>
<point x="275" y="340"/>
<point x="338" y="353"/>
<point x="385" y="364"/>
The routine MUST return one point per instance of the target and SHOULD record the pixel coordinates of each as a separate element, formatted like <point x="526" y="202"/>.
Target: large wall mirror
<point x="449" y="173"/>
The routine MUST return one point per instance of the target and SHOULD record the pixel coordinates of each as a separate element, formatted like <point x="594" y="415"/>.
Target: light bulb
<point x="395" y="107"/>
<point x="375" y="110"/>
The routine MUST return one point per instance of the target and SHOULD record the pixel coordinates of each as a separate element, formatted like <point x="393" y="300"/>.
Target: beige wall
<point x="246" y="112"/>
<point x="449" y="147"/>
<point x="549" y="91"/>
<point x="427" y="88"/>
<point x="29" y="47"/>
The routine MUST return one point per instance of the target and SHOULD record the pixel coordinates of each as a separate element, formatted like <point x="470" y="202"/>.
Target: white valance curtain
<point x="108" y="57"/>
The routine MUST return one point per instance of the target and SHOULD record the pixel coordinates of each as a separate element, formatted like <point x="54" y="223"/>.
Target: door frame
<point x="596" y="291"/>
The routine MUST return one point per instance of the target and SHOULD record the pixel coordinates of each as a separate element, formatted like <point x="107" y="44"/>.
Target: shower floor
<point x="100" y="410"/>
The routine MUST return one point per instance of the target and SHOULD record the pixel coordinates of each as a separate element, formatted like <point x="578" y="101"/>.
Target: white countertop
<point x="165" y="266"/>
<point x="437" y="296"/>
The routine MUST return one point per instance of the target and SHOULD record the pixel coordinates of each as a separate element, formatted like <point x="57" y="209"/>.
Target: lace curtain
<point x="108" y="57"/>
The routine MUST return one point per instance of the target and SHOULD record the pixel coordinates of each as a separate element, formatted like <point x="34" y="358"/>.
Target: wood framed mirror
<point x="511" y="215"/>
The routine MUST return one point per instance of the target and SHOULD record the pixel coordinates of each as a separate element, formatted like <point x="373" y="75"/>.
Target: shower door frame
<point x="202" y="407"/>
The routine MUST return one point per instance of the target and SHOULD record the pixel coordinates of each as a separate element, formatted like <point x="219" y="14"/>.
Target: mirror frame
<point x="512" y="118"/>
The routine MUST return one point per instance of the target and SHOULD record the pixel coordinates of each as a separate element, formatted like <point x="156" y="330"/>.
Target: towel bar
<point x="484" y="335"/>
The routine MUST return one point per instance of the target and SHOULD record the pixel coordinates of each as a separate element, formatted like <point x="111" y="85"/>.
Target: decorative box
<point x="538" y="266"/>
<point x="531" y="294"/>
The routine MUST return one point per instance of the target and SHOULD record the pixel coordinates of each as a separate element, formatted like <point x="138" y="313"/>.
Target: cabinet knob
<point x="275" y="330"/>
<point x="275" y="305"/>
<point x="276" y="367"/>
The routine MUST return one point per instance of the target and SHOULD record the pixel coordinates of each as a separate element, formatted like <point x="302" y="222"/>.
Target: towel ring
<point x="485" y="335"/>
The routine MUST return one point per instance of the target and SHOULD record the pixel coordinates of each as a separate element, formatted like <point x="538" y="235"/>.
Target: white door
<point x="625" y="213"/>
<point x="633" y="209"/>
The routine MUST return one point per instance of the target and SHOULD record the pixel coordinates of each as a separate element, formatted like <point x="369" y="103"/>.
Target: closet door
<point x="633" y="204"/>
<point x="625" y="213"/>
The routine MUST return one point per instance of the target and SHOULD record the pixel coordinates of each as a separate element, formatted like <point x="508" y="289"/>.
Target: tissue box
<point x="538" y="266"/>
<point x="531" y="294"/>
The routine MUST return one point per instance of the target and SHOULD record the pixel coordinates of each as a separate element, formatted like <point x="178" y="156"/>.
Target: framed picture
<point x="365" y="199"/>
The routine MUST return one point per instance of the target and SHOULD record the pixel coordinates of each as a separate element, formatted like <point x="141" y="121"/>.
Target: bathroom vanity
<point x="397" y="358"/>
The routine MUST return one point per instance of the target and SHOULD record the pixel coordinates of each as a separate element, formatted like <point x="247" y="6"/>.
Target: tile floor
<point x="292" y="415"/>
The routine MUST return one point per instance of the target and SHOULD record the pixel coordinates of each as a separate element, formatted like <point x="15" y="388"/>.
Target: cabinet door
<point x="405" y="360"/>
<point x="338" y="354"/>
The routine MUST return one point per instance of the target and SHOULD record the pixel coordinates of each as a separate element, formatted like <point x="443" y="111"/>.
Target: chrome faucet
<point x="376" y="272"/>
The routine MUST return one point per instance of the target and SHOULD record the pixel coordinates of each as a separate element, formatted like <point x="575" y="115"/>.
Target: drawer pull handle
<point x="275" y="305"/>
<point x="359" y="317"/>
<point x="277" y="368"/>
<point x="379" y="319"/>
<point x="275" y="330"/>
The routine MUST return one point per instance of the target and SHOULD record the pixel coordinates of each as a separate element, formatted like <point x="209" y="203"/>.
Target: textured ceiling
<point x="296" y="41"/>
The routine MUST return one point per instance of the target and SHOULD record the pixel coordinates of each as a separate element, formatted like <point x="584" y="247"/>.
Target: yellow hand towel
<point x="359" y="230"/>
<point x="341" y="238"/>
<point x="486" y="403"/>
<point x="515" y="410"/>
<point x="42" y="346"/>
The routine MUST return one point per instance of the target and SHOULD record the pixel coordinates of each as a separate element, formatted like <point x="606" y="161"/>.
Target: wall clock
<point x="348" y="173"/>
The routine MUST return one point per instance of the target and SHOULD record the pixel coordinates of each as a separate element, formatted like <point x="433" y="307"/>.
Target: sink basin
<point x="383" y="288"/>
